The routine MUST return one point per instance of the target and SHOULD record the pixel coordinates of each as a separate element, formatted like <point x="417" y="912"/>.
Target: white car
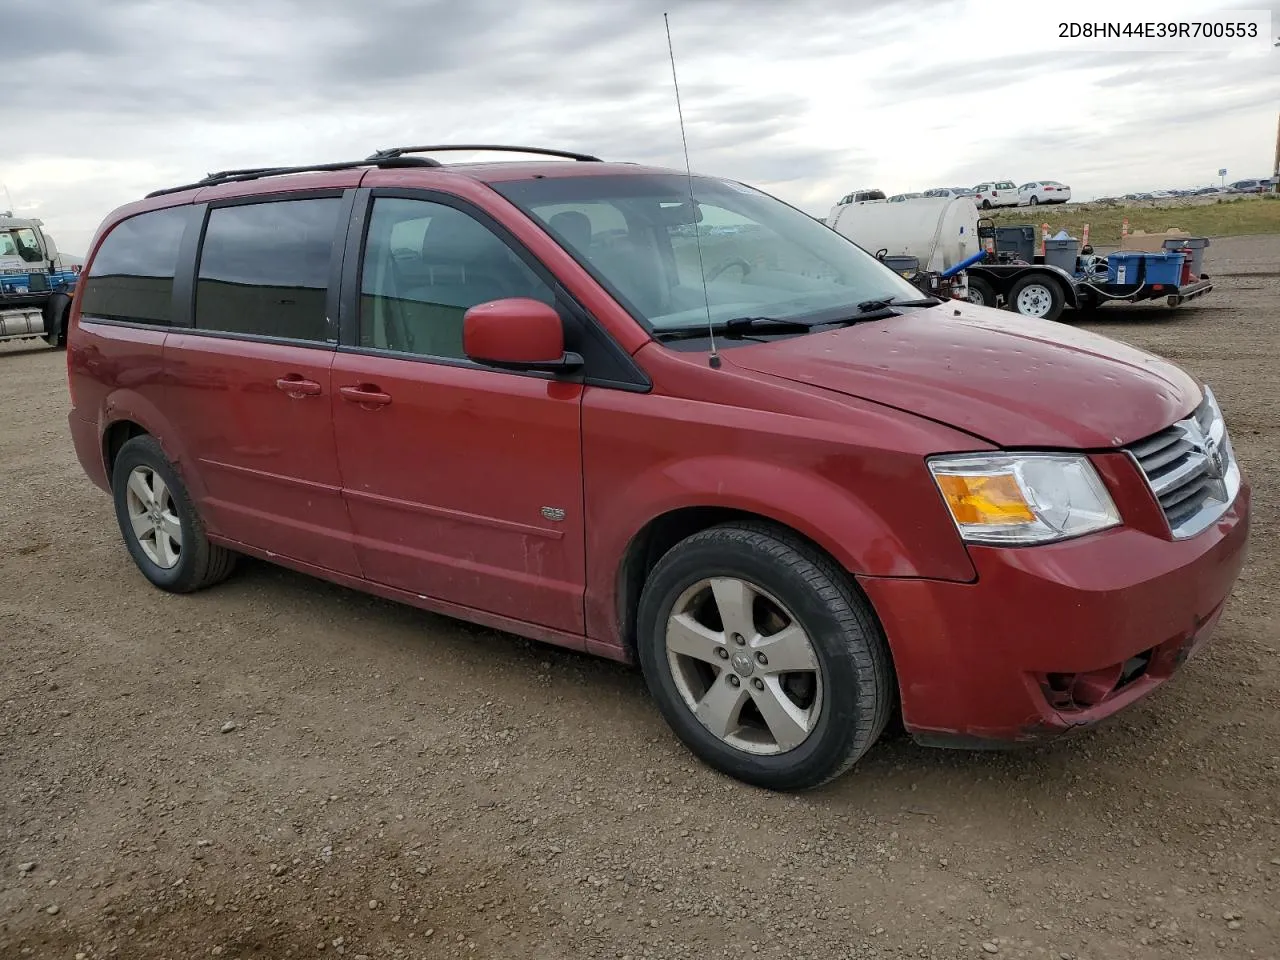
<point x="995" y="193"/>
<point x="1043" y="191"/>
<point x="949" y="192"/>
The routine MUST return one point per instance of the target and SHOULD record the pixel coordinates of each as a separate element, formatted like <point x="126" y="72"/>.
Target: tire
<point x="197" y="562"/>
<point x="986" y="204"/>
<point x="57" y="311"/>
<point x="1035" y="201"/>
<point x="1042" y="291"/>
<point x="985" y="292"/>
<point x="844" y="688"/>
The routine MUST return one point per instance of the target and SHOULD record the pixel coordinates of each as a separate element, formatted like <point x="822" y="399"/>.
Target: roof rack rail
<point x="394" y="152"/>
<point x="391" y="157"/>
<point x="256" y="173"/>
<point x="223" y="174"/>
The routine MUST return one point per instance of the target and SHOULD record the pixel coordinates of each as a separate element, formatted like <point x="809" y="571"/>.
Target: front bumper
<point x="1054" y="638"/>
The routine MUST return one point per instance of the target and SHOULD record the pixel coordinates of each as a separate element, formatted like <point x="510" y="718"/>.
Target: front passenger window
<point x="425" y="265"/>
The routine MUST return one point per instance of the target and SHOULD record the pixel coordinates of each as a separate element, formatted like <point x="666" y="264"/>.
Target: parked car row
<point x="993" y="193"/>
<point x="1262" y="185"/>
<point x="1002" y="193"/>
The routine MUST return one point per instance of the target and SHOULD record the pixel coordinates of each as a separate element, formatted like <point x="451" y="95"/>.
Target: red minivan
<point x="660" y="418"/>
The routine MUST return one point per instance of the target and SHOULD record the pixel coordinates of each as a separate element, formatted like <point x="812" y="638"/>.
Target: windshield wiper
<point x="875" y="306"/>
<point x="738" y="326"/>
<point x="743" y="326"/>
<point x="765" y="325"/>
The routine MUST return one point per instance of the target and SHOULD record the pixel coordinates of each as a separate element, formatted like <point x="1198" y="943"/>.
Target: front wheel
<point x="981" y="293"/>
<point x="763" y="657"/>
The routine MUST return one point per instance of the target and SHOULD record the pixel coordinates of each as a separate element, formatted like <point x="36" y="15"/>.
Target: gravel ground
<point x="282" y="768"/>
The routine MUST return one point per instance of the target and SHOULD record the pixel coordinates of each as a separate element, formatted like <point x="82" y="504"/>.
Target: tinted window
<point x="425" y="265"/>
<point x="131" y="277"/>
<point x="264" y="268"/>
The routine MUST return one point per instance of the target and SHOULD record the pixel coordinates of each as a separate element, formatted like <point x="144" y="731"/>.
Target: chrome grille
<point x="1191" y="468"/>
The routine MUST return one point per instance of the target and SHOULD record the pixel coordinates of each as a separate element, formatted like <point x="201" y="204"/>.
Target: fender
<point x="126" y="404"/>
<point x="854" y="533"/>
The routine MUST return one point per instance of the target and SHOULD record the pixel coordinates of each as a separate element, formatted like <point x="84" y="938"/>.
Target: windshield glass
<point x="759" y="257"/>
<point x="20" y="243"/>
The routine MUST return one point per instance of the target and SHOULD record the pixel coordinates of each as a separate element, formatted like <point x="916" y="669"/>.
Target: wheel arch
<point x="666" y="530"/>
<point x="114" y="437"/>
<point x="126" y="413"/>
<point x="663" y="532"/>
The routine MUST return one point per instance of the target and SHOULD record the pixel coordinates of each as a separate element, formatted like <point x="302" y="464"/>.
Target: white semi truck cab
<point x="36" y="283"/>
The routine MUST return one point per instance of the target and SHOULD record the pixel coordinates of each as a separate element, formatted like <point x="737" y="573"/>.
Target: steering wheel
<point x="735" y="262"/>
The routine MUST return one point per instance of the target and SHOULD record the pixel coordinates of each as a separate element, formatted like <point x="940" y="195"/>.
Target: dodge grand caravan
<point x="665" y="419"/>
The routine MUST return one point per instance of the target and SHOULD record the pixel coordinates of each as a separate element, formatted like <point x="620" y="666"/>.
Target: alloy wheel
<point x="744" y="666"/>
<point x="153" y="517"/>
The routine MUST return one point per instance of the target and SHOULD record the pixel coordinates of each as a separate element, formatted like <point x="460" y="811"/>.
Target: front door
<point x="248" y="388"/>
<point x="463" y="483"/>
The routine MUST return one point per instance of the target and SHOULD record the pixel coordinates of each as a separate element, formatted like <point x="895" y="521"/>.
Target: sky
<point x="807" y="99"/>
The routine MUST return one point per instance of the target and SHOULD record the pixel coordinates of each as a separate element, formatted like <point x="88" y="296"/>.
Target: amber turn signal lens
<point x="991" y="499"/>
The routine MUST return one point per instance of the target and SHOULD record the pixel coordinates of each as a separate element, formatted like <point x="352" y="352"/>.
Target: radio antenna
<point x="714" y="359"/>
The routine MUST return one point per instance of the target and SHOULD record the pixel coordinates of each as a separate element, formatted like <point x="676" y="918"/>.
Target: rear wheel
<point x="57" y="311"/>
<point x="763" y="657"/>
<point x="1037" y="296"/>
<point x="161" y="529"/>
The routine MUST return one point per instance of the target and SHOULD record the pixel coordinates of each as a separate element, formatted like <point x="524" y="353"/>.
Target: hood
<point x="1012" y="380"/>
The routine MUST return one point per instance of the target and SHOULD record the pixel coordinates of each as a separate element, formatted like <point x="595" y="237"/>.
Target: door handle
<point x="366" y="395"/>
<point x="297" y="387"/>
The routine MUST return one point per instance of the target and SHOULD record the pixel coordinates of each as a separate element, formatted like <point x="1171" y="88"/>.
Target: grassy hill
<point x="1225" y="218"/>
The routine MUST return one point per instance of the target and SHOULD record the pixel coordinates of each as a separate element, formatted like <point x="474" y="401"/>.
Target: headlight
<point x="1023" y="498"/>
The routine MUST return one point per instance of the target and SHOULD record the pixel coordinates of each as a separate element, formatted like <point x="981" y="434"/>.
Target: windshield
<point x="759" y="257"/>
<point x="20" y="243"/>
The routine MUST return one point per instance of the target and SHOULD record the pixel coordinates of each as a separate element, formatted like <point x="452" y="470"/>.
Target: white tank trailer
<point x="942" y="235"/>
<point x="939" y="232"/>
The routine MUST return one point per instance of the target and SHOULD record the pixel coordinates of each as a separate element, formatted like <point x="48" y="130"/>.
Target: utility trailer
<point x="36" y="283"/>
<point x="940" y="244"/>
<point x="946" y="248"/>
<point x="1034" y="287"/>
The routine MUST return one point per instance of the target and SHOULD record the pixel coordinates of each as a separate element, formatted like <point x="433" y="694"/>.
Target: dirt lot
<point x="399" y="785"/>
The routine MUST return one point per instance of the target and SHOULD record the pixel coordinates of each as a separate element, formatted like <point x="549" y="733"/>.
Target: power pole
<point x="1275" y="173"/>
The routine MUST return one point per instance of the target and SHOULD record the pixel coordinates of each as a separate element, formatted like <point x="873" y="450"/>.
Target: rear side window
<point x="131" y="277"/>
<point x="264" y="268"/>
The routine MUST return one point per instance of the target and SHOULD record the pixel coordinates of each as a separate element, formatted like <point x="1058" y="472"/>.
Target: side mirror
<point x="516" y="334"/>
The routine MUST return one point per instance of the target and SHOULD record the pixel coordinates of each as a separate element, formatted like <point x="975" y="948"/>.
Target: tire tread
<point x="837" y="592"/>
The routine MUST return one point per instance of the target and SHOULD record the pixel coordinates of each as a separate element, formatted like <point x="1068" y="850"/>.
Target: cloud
<point x="981" y="78"/>
<point x="806" y="98"/>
